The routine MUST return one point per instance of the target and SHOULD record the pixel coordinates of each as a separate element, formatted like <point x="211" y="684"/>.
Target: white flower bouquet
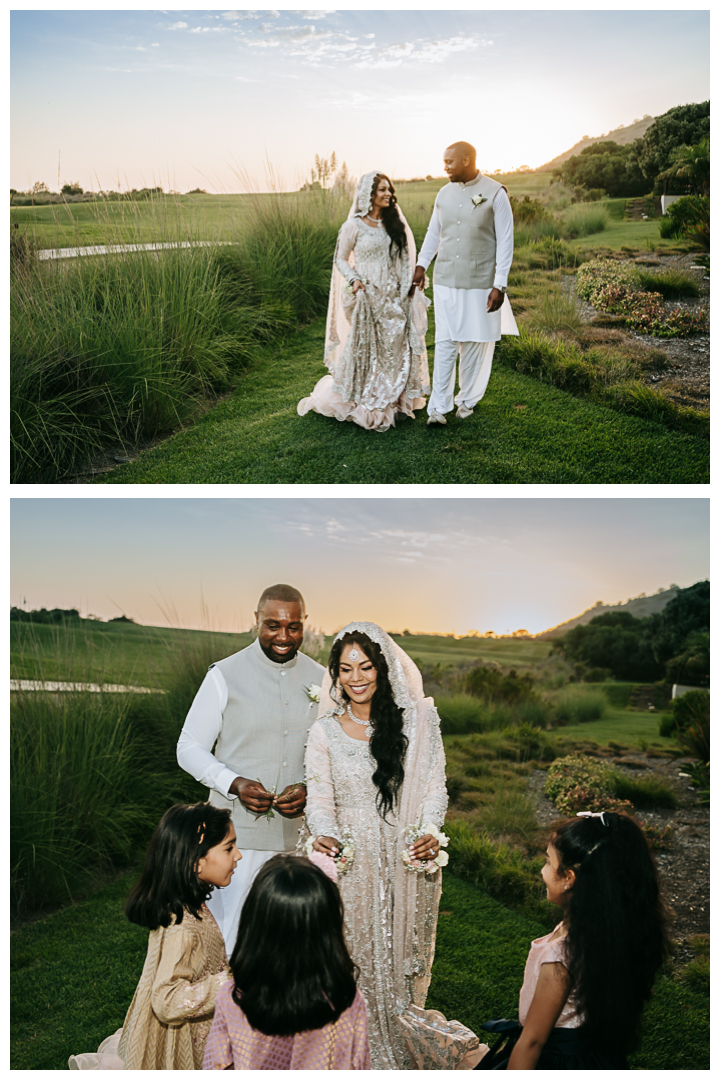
<point x="412" y="833"/>
<point x="344" y="858"/>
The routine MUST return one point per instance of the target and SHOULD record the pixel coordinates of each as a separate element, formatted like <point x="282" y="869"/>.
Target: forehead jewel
<point x="354" y="654"/>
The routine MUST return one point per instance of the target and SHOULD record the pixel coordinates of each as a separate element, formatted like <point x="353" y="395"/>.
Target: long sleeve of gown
<point x="320" y="806"/>
<point x="436" y="800"/>
<point x="345" y="244"/>
<point x="177" y="994"/>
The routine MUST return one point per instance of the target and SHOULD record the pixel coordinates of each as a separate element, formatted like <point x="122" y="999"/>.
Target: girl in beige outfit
<point x="166" y="1027"/>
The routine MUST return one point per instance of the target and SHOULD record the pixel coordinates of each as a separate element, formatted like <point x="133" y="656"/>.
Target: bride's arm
<point x="345" y="244"/>
<point x="320" y="806"/>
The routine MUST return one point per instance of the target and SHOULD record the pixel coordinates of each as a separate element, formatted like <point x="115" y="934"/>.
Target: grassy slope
<point x="104" y="652"/>
<point x="256" y="437"/>
<point x="74" y="973"/>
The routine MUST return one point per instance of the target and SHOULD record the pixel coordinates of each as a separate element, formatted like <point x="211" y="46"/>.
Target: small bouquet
<point x="344" y="858"/>
<point x="348" y="286"/>
<point x="426" y="866"/>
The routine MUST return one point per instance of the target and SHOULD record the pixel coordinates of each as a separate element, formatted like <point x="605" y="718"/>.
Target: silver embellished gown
<point x="341" y="803"/>
<point x="375" y="347"/>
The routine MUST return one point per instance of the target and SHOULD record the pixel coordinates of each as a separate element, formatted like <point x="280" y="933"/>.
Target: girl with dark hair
<point x="375" y="338"/>
<point x="375" y="774"/>
<point x="294" y="1001"/>
<point x="586" y="982"/>
<point x="191" y="852"/>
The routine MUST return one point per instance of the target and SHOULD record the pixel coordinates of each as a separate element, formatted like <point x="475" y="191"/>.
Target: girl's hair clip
<point x="590" y="813"/>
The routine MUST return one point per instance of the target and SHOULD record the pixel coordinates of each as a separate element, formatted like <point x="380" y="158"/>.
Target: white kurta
<point x="461" y="314"/>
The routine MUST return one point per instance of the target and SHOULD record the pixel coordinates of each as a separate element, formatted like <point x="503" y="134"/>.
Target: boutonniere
<point x="478" y="199"/>
<point x="313" y="693"/>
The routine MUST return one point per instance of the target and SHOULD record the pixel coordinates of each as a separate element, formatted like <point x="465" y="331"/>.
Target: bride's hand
<point x="427" y="847"/>
<point x="327" y="844"/>
<point x="357" y="285"/>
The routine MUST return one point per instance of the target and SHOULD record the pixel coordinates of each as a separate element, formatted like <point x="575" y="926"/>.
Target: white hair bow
<point x="590" y="813"/>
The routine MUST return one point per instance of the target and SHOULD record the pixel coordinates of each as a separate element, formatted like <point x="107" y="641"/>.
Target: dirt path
<point x="685" y="867"/>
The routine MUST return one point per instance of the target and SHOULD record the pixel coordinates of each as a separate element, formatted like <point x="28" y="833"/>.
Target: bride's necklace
<point x="367" y="724"/>
<point x="377" y="222"/>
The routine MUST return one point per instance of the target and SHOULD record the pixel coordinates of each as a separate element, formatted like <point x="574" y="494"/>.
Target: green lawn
<point x="523" y="432"/>
<point x="106" y="652"/>
<point x="74" y="974"/>
<point x="622" y="726"/>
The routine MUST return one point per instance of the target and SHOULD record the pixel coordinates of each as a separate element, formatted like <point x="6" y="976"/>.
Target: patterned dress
<point x="341" y="803"/>
<point x="233" y="1042"/>
<point x="171" y="1012"/>
<point x="382" y="368"/>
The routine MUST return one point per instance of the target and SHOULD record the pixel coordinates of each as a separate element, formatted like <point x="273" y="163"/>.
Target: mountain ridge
<point x="621" y="135"/>
<point x="639" y="607"/>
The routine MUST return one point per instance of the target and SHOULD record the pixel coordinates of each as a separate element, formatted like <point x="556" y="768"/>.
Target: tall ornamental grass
<point x="585" y="221"/>
<point x="124" y="347"/>
<point x="577" y="705"/>
<point x="92" y="774"/>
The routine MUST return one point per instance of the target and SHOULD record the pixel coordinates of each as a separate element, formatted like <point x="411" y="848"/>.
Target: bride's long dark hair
<point x="390" y="216"/>
<point x="388" y="744"/>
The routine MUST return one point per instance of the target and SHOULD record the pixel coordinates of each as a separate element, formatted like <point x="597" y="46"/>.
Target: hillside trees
<point x="606" y="165"/>
<point x="684" y="125"/>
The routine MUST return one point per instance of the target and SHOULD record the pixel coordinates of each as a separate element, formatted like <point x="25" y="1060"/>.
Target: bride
<point x="375" y="765"/>
<point x="375" y="337"/>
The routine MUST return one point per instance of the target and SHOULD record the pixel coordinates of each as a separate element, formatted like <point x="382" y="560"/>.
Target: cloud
<point x="178" y="26"/>
<point x="155" y="45"/>
<point x="422" y="51"/>
<point x="239" y="16"/>
<point x="314" y="14"/>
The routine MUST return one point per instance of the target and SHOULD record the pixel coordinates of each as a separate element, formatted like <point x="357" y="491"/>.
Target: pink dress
<point x="547" y="950"/>
<point x="233" y="1043"/>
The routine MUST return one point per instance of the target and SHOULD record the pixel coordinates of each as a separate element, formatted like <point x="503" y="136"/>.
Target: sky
<point x="217" y="99"/>
<point x="437" y="565"/>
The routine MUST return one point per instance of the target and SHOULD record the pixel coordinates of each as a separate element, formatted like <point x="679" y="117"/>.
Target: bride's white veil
<point x="337" y="327"/>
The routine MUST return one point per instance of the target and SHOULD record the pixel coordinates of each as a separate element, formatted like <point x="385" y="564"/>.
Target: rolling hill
<point x="639" y="607"/>
<point x="621" y="135"/>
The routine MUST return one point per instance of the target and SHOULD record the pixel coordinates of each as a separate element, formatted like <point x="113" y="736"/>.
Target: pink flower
<point x="326" y="864"/>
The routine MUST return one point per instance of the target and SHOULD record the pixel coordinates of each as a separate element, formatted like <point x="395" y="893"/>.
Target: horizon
<point x="182" y="100"/>
<point x="488" y="564"/>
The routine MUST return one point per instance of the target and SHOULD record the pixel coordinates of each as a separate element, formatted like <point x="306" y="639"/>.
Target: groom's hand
<point x="495" y="300"/>
<point x="291" y="801"/>
<point x="418" y="280"/>
<point x="251" y="794"/>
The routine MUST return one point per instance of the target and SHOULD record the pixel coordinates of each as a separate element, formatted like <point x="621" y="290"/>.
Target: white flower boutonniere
<point x="478" y="199"/>
<point x="313" y="693"/>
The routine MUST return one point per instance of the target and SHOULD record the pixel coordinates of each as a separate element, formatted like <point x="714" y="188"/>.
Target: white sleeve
<point x="320" y="807"/>
<point x="431" y="243"/>
<point x="200" y="732"/>
<point x="436" y="800"/>
<point x="503" y="237"/>
<point x="345" y="244"/>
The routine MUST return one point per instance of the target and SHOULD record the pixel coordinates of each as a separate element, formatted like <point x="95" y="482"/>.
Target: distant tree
<point x="616" y="641"/>
<point x="72" y="188"/>
<point x="684" y="125"/>
<point x="606" y="165"/>
<point x="39" y="188"/>
<point x="122" y="619"/>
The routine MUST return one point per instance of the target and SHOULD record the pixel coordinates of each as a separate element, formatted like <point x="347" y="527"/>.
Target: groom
<point x="254" y="709"/>
<point x="471" y="232"/>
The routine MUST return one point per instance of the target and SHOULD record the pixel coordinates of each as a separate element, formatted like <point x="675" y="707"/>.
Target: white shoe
<point x="436" y="418"/>
<point x="463" y="412"/>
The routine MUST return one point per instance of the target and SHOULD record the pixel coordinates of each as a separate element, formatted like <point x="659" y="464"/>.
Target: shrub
<point x="647" y="792"/>
<point x="580" y="705"/>
<point x="492" y="685"/>
<point x="577" y="782"/>
<point x="616" y="288"/>
<point x="690" y="708"/>
<point x="658" y="839"/>
<point x="459" y="713"/>
<point x="505" y="873"/>
<point x="585" y="221"/>
<point x="669" y="283"/>
<point x="689" y="217"/>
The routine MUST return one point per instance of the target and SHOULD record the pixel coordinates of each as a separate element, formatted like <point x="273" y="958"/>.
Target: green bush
<point x="690" y="708"/>
<point x="669" y="283"/>
<point x="580" y="705"/>
<point x="645" y="793"/>
<point x="585" y="221"/>
<point x="577" y="782"/>
<point x="503" y="872"/>
<point x="490" y="684"/>
<point x="460" y="713"/>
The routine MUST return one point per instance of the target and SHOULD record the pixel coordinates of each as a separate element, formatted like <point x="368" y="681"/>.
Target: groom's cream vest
<point x="263" y="735"/>
<point x="466" y="255"/>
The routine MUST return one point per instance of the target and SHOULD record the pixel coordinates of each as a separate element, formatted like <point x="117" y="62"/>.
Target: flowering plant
<point x="412" y="833"/>
<point x="344" y="858"/>
<point x="478" y="199"/>
<point x="313" y="693"/>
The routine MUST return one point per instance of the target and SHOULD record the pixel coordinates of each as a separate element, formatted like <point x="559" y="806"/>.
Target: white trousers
<point x="474" y="373"/>
<point x="226" y="904"/>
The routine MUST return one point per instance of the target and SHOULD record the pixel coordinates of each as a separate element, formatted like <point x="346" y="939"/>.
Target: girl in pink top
<point x="586" y="983"/>
<point x="294" y="1001"/>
